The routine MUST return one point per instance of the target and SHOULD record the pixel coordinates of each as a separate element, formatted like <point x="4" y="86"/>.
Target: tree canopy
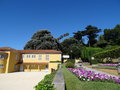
<point x="71" y="47"/>
<point x="112" y="36"/>
<point x="43" y="40"/>
<point x="91" y="32"/>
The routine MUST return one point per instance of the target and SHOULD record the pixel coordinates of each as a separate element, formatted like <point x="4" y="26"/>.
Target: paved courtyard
<point x="21" y="80"/>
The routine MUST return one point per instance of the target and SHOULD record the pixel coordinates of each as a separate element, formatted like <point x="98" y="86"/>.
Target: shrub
<point x="46" y="83"/>
<point x="113" y="53"/>
<point x="55" y="61"/>
<point x="88" y="52"/>
<point x="71" y="60"/>
<point x="69" y="65"/>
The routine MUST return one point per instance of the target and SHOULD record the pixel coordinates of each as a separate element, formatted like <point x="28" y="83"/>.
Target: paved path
<point x="21" y="80"/>
<point x="96" y="71"/>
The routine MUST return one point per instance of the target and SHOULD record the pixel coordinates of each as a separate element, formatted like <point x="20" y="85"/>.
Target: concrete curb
<point x="58" y="81"/>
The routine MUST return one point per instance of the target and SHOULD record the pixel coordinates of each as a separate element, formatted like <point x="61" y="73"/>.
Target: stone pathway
<point x="21" y="80"/>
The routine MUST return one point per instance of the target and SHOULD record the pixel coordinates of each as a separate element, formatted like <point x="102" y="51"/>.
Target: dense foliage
<point x="43" y="40"/>
<point x="112" y="36"/>
<point x="71" y="47"/>
<point x="62" y="36"/>
<point x="88" y="52"/>
<point x="46" y="83"/>
<point x="69" y="65"/>
<point x="112" y="53"/>
<point x="91" y="32"/>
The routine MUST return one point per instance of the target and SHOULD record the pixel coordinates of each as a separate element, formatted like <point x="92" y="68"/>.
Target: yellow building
<point x="12" y="60"/>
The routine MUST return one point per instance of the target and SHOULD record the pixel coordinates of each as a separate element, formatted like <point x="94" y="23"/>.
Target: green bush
<point x="88" y="52"/>
<point x="46" y="83"/>
<point x="71" y="60"/>
<point x="113" y="53"/>
<point x="69" y="65"/>
<point x="55" y="61"/>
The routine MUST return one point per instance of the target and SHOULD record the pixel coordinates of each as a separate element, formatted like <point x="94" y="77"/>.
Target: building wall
<point x="37" y="59"/>
<point x="3" y="62"/>
<point x="53" y="66"/>
<point x="52" y="57"/>
<point x="34" y="67"/>
<point x="12" y="62"/>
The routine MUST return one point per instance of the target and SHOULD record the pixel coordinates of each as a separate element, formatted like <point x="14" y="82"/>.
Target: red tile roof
<point x="40" y="51"/>
<point x="31" y="51"/>
<point x="6" y="48"/>
<point x="3" y="52"/>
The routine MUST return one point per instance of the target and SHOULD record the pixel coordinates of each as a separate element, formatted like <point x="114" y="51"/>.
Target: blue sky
<point x="20" y="19"/>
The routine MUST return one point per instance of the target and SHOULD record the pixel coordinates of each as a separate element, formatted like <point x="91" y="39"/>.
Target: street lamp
<point x="92" y="58"/>
<point x="71" y="53"/>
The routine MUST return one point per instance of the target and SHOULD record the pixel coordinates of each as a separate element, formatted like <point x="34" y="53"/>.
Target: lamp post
<point x="92" y="58"/>
<point x="71" y="53"/>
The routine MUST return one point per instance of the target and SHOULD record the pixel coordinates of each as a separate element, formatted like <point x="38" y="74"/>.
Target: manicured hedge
<point x="46" y="83"/>
<point x="113" y="53"/>
<point x="88" y="52"/>
<point x="55" y="61"/>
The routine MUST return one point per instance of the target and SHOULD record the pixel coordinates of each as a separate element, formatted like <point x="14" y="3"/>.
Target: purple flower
<point x="91" y="75"/>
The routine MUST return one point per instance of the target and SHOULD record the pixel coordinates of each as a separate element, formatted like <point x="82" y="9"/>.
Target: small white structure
<point x="65" y="57"/>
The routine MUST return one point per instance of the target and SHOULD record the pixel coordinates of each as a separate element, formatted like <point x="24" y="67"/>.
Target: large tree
<point x="79" y="36"/>
<point x="102" y="43"/>
<point x="72" y="47"/>
<point x="112" y="36"/>
<point x="43" y="40"/>
<point x="92" y="33"/>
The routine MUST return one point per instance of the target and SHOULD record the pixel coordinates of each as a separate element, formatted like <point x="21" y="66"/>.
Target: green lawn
<point x="106" y="66"/>
<point x="73" y="83"/>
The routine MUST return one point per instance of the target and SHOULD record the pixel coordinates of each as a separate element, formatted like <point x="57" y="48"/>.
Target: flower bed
<point x="108" y="64"/>
<point x="85" y="75"/>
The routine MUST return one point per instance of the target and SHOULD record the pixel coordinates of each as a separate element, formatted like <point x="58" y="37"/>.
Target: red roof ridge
<point x="6" y="48"/>
<point x="29" y="51"/>
<point x="39" y="51"/>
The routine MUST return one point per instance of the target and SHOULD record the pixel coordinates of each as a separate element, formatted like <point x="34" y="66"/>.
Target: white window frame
<point x="40" y="57"/>
<point x="28" y="56"/>
<point x="34" y="56"/>
<point x="47" y="57"/>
